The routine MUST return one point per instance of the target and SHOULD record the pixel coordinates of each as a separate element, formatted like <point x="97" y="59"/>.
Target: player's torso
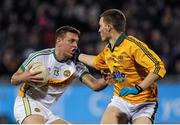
<point x="61" y="75"/>
<point x="126" y="71"/>
<point x="120" y="62"/>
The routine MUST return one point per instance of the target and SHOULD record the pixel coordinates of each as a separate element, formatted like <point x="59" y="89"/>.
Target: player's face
<point x="68" y="44"/>
<point x="104" y="30"/>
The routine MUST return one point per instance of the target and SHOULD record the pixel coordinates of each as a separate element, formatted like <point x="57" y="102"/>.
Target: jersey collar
<point x="118" y="41"/>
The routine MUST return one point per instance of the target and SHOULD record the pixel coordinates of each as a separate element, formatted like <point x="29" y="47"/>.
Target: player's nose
<point x="99" y="30"/>
<point x="75" y="45"/>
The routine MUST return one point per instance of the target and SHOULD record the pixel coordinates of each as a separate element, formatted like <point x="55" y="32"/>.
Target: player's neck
<point x="114" y="37"/>
<point x="60" y="56"/>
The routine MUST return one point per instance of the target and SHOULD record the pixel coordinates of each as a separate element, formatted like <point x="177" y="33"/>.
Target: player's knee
<point x="33" y="119"/>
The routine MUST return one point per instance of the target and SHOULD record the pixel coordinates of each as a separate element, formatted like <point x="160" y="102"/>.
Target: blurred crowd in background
<point x="29" y="25"/>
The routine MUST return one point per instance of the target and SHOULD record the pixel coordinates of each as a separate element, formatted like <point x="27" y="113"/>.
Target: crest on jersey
<point x="37" y="110"/>
<point x="67" y="73"/>
<point x="120" y="58"/>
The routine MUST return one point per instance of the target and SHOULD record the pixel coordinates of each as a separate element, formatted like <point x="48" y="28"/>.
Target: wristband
<point x="138" y="88"/>
<point x="84" y="73"/>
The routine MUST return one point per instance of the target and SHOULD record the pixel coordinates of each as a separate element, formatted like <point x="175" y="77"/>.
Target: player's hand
<point x="32" y="78"/>
<point x="105" y="73"/>
<point x="76" y="56"/>
<point x="108" y="77"/>
<point x="130" y="90"/>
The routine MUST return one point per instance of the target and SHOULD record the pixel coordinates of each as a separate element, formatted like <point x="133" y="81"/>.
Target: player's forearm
<point x="93" y="83"/>
<point x="87" y="59"/>
<point x="100" y="84"/>
<point x="150" y="79"/>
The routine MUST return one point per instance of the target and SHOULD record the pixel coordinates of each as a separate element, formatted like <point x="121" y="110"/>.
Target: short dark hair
<point x="64" y="29"/>
<point x="116" y="18"/>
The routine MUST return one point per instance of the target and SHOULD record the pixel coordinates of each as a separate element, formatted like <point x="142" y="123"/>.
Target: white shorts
<point x="25" y="106"/>
<point x="134" y="111"/>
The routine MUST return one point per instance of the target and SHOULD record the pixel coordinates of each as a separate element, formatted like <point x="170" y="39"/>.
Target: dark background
<point x="29" y="25"/>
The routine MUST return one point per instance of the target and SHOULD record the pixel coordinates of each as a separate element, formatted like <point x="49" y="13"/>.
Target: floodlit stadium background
<point x="29" y="25"/>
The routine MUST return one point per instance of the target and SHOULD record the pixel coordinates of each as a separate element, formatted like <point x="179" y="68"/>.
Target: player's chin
<point x="70" y="55"/>
<point x="103" y="39"/>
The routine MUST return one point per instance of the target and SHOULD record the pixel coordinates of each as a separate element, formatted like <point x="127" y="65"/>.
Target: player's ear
<point x="58" y="39"/>
<point x="110" y="27"/>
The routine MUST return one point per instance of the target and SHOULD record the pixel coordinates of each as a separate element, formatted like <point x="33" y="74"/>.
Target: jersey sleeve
<point x="147" y="58"/>
<point x="32" y="58"/>
<point x="81" y="70"/>
<point x="99" y="61"/>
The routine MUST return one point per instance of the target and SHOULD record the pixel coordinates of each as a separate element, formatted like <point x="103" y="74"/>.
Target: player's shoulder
<point x="46" y="51"/>
<point x="38" y="55"/>
<point x="131" y="38"/>
<point x="135" y="42"/>
<point x="43" y="52"/>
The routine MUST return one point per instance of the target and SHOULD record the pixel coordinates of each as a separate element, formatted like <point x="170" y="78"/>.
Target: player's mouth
<point x="74" y="50"/>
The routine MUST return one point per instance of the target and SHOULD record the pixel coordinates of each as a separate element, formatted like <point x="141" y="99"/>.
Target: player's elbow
<point x="96" y="89"/>
<point x="99" y="88"/>
<point x="14" y="81"/>
<point x="159" y="69"/>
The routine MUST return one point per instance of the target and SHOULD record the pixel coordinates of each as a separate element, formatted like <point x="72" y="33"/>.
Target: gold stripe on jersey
<point x="56" y="82"/>
<point x="23" y="90"/>
<point x="26" y="106"/>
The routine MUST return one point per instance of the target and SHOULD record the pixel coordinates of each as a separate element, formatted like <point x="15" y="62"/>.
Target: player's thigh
<point x="60" y="121"/>
<point x="142" y="120"/>
<point x="114" y="115"/>
<point x="33" y="119"/>
<point x="145" y="113"/>
<point x="25" y="109"/>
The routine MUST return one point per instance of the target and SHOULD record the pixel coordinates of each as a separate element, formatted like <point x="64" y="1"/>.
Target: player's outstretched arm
<point x="87" y="59"/>
<point x="20" y="76"/>
<point x="96" y="84"/>
<point x="93" y="83"/>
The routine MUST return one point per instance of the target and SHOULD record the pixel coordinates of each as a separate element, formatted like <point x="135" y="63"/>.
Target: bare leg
<point x="113" y="115"/>
<point x="34" y="119"/>
<point x="60" y="121"/>
<point x="142" y="120"/>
